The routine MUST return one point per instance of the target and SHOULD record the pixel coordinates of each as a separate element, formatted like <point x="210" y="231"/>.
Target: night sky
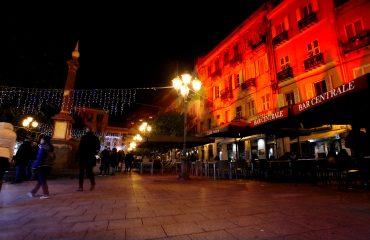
<point x="122" y="44"/>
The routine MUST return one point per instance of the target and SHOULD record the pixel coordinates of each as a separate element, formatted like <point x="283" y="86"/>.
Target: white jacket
<point x="7" y="140"/>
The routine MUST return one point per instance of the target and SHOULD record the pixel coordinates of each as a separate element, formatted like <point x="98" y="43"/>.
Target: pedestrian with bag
<point x="88" y="148"/>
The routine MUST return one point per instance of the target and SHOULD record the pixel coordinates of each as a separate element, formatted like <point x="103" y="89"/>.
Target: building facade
<point x="273" y="85"/>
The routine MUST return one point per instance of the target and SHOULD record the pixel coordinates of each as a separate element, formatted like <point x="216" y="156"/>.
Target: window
<point x="209" y="123"/>
<point x="236" y="49"/>
<point x="320" y="87"/>
<point x="239" y="113"/>
<point x="307" y="10"/>
<point x="217" y="65"/>
<point x="218" y="117"/>
<point x="280" y="28"/>
<point x="357" y="72"/>
<point x="251" y="108"/>
<point x="353" y="29"/>
<point x="289" y="98"/>
<point x="313" y="48"/>
<point x="227" y="114"/>
<point x="99" y="118"/>
<point x="236" y="80"/>
<point x="266" y="102"/>
<point x="217" y="92"/>
<point x="209" y="71"/>
<point x="284" y="62"/>
<point x="226" y="58"/>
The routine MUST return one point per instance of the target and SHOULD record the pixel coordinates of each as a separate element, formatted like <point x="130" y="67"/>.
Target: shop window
<point x="320" y="87"/>
<point x="313" y="48"/>
<point x="353" y="29"/>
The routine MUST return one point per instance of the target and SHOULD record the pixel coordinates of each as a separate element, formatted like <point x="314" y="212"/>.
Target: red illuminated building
<point x="292" y="77"/>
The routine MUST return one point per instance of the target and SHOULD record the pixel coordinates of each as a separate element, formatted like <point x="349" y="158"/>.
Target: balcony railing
<point x="357" y="42"/>
<point x="307" y="21"/>
<point x="314" y="61"/>
<point x="285" y="73"/>
<point x="248" y="83"/>
<point x="280" y="38"/>
<point x="226" y="94"/>
<point x="258" y="43"/>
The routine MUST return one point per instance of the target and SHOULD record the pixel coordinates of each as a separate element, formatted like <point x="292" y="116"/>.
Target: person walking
<point x="22" y="157"/>
<point x="42" y="166"/>
<point x="7" y="142"/>
<point x="89" y="146"/>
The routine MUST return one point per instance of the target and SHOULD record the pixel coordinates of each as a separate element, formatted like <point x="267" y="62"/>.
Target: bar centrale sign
<point x="282" y="113"/>
<point x="327" y="96"/>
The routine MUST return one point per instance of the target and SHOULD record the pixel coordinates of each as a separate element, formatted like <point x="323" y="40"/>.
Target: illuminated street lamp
<point x="145" y="128"/>
<point x="29" y="123"/>
<point x="183" y="85"/>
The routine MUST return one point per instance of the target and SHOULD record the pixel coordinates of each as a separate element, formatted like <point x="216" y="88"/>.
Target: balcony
<point x="283" y="36"/>
<point x="258" y="43"/>
<point x="307" y="21"/>
<point x="285" y="73"/>
<point x="314" y="61"/>
<point x="248" y="83"/>
<point x="357" y="42"/>
<point x="226" y="94"/>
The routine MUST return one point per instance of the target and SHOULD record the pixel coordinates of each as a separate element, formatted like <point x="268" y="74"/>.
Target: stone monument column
<point x="65" y="146"/>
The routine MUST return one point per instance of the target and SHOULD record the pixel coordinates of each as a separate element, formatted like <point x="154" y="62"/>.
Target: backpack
<point x="50" y="157"/>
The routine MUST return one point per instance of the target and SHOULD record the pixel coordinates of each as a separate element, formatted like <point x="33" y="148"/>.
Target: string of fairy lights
<point x="31" y="100"/>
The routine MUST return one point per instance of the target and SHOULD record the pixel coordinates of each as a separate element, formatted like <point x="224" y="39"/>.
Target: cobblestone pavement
<point x="133" y="206"/>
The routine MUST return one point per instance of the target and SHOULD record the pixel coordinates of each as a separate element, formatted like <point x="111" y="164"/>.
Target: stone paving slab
<point x="133" y="206"/>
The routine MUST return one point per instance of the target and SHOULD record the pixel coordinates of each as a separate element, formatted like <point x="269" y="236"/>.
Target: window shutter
<point x="309" y="91"/>
<point x="297" y="98"/>
<point x="329" y="82"/>
<point x="266" y="63"/>
<point x="286" y="23"/>
<point x="298" y="13"/>
<point x="280" y="100"/>
<point x="241" y="76"/>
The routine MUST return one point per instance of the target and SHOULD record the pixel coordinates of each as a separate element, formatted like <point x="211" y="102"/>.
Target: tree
<point x="169" y="123"/>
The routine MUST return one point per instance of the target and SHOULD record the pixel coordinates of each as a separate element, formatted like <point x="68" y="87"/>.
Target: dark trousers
<point x="43" y="173"/>
<point x="4" y="165"/>
<point x="89" y="173"/>
<point x="20" y="173"/>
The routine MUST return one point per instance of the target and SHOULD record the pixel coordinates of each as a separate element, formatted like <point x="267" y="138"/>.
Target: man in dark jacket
<point x="88" y="148"/>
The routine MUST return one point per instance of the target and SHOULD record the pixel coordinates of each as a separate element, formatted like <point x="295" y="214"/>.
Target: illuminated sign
<point x="356" y="84"/>
<point x="270" y="117"/>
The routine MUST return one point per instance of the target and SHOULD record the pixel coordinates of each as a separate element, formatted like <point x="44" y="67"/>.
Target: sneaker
<point x="31" y="195"/>
<point x="44" y="197"/>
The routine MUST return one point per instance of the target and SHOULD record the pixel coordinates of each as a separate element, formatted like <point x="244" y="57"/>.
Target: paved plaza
<point x="134" y="206"/>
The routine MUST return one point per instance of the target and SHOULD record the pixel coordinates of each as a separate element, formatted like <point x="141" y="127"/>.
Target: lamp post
<point x="145" y="128"/>
<point x="183" y="85"/>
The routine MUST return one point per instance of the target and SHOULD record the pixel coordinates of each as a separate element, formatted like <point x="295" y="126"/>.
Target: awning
<point x="322" y="135"/>
<point x="234" y="129"/>
<point x="342" y="105"/>
<point x="174" y="142"/>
